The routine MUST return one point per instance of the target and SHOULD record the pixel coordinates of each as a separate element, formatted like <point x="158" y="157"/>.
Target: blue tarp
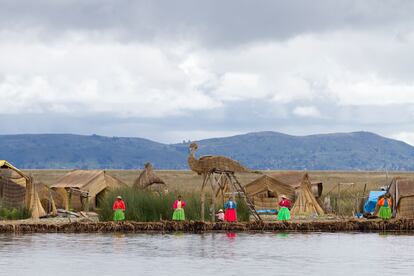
<point x="267" y="211"/>
<point x="370" y="204"/>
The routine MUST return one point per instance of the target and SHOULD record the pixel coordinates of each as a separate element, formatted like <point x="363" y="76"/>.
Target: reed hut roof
<point x="282" y="183"/>
<point x="294" y="179"/>
<point x="266" y="183"/>
<point x="147" y="178"/>
<point x="91" y="181"/>
<point x="9" y="171"/>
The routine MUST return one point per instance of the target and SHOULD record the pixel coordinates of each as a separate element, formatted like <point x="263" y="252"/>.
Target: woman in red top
<point x="284" y="213"/>
<point x="119" y="209"/>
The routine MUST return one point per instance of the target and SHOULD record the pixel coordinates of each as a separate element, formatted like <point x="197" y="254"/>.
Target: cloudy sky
<point x="174" y="70"/>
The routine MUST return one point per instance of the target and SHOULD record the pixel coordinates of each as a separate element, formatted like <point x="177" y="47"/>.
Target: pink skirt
<point x="230" y="215"/>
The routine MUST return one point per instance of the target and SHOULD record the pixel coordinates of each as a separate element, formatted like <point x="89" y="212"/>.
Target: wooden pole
<point x="203" y="196"/>
<point x="222" y="191"/>
<point x="70" y="200"/>
<point x="86" y="206"/>
<point x="339" y="199"/>
<point x="213" y="199"/>
<point x="67" y="200"/>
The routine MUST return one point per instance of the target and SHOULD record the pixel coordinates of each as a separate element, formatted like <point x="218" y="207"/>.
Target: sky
<point x="186" y="70"/>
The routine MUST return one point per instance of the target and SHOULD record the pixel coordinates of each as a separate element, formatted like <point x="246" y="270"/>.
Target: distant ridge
<point x="259" y="150"/>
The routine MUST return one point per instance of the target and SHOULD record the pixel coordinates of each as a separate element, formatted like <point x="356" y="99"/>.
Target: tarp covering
<point x="306" y="203"/>
<point x="371" y="203"/>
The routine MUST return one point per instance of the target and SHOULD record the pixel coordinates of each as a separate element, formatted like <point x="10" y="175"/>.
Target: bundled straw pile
<point x="306" y="203"/>
<point x="149" y="180"/>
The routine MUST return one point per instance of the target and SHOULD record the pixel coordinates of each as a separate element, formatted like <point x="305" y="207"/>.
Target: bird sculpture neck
<point x="193" y="161"/>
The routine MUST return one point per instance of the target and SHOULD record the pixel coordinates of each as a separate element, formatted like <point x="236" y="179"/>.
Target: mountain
<point x="260" y="150"/>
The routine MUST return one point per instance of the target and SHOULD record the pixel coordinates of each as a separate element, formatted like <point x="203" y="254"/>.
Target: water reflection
<point x="282" y="235"/>
<point x="178" y="234"/>
<point x="207" y="254"/>
<point x="231" y="235"/>
<point x="119" y="243"/>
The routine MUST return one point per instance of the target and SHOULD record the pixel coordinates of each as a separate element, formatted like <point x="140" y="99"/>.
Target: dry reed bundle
<point x="306" y="203"/>
<point x="148" y="178"/>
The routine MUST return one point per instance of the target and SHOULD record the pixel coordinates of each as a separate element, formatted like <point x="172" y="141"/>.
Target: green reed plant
<point x="150" y="206"/>
<point x="15" y="213"/>
<point x="243" y="213"/>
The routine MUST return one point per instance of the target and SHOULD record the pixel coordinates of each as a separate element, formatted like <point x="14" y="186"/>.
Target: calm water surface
<point x="207" y="254"/>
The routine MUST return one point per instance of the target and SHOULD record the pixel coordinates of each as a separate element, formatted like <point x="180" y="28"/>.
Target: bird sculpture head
<point x="193" y="146"/>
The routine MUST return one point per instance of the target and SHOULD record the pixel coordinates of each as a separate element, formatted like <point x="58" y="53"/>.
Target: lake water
<point x="207" y="254"/>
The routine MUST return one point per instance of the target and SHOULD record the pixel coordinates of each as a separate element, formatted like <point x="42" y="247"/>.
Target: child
<point x="220" y="215"/>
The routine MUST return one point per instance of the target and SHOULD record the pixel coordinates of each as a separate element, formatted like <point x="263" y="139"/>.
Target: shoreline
<point x="350" y="225"/>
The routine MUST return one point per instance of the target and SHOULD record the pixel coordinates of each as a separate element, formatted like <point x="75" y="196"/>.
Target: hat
<point x="119" y="197"/>
<point x="220" y="211"/>
<point x="283" y="196"/>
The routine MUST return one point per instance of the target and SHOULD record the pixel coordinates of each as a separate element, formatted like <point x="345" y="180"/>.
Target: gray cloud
<point x="173" y="70"/>
<point x="215" y="22"/>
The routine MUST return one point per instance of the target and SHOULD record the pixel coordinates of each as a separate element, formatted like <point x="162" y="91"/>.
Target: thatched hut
<point x="84" y="189"/>
<point x="50" y="198"/>
<point x="295" y="179"/>
<point x="266" y="190"/>
<point x="402" y="193"/>
<point x="17" y="190"/>
<point x="306" y="203"/>
<point x="15" y="186"/>
<point x="149" y="180"/>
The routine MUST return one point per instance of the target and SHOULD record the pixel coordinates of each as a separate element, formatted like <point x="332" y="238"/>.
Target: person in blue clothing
<point x="231" y="214"/>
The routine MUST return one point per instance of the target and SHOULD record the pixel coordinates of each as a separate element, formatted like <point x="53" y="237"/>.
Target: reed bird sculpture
<point x="149" y="180"/>
<point x="219" y="171"/>
<point x="208" y="164"/>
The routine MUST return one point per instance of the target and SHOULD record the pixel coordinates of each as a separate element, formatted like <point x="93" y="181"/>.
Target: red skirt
<point x="230" y="215"/>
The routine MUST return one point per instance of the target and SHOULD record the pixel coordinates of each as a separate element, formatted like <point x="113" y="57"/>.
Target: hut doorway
<point x="99" y="198"/>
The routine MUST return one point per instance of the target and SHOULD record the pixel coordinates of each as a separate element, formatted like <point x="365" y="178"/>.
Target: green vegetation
<point x="150" y="206"/>
<point x="14" y="213"/>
